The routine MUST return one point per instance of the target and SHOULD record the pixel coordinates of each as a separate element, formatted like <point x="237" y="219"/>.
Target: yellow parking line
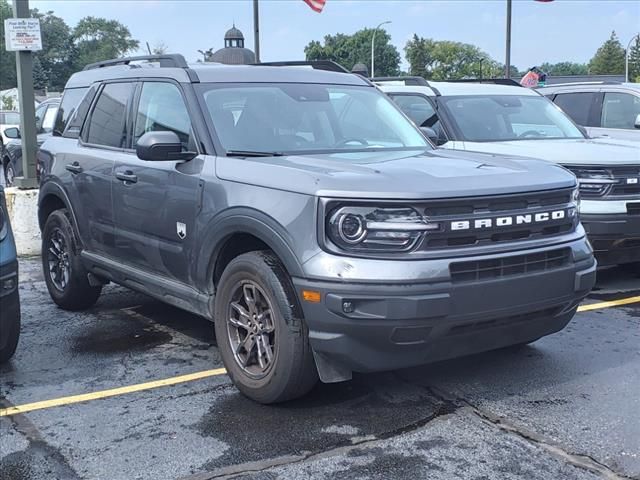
<point x="57" y="402"/>
<point x="612" y="303"/>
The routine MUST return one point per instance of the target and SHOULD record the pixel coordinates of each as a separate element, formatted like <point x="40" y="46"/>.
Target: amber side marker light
<point x="311" y="296"/>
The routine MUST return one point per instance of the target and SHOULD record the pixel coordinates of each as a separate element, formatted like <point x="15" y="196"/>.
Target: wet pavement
<point x="566" y="407"/>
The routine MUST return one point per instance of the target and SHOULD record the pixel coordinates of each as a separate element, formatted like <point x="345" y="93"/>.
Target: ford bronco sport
<point x="300" y="209"/>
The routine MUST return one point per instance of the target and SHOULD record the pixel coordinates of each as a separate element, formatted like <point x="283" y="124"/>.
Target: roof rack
<point x="573" y="84"/>
<point x="169" y="60"/>
<point x="328" y="65"/>
<point x="410" y="81"/>
<point x="495" y="81"/>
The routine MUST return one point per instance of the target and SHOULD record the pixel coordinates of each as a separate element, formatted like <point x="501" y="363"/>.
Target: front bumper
<point x="9" y="300"/>
<point x="373" y="326"/>
<point x="615" y="237"/>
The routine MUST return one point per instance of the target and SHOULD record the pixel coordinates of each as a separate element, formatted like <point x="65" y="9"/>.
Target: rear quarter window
<point x="70" y="101"/>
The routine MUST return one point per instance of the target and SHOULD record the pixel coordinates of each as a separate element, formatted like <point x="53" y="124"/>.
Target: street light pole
<point x="507" y="63"/>
<point x="373" y="48"/>
<point x="256" y="30"/>
<point x="626" y="56"/>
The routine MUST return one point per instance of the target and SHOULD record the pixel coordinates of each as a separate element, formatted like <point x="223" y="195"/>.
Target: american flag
<point x="316" y="5"/>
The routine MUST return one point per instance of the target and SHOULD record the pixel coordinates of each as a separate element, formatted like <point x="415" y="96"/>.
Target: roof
<point x="233" y="56"/>
<point x="233" y="34"/>
<point x="590" y="86"/>
<point x="216" y="73"/>
<point x="454" y="89"/>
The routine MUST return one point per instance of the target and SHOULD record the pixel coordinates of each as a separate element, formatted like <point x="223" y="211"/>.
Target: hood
<point x="396" y="175"/>
<point x="567" y="151"/>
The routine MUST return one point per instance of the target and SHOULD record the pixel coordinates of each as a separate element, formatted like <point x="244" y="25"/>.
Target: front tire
<point x="260" y="330"/>
<point x="9" y="174"/>
<point x="11" y="332"/>
<point x="64" y="273"/>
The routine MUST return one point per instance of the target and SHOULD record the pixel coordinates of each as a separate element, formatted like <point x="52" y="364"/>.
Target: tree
<point x="160" y="48"/>
<point x="565" y="68"/>
<point x="57" y="50"/>
<point x="96" y="39"/>
<point x="347" y="50"/>
<point x="634" y="60"/>
<point x="40" y="75"/>
<point x="609" y="59"/>
<point x="443" y="60"/>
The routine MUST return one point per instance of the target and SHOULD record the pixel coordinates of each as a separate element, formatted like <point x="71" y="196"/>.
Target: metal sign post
<point x="23" y="37"/>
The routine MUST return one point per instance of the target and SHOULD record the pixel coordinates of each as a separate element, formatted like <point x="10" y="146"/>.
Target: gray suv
<point x="300" y="209"/>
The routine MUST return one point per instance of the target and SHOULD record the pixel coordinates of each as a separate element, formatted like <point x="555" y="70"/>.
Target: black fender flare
<point x="51" y="188"/>
<point x="242" y="220"/>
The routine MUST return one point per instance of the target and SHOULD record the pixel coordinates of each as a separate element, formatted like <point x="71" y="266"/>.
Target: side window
<point x="620" y="110"/>
<point x="78" y="117"/>
<point x="70" y="101"/>
<point x="108" y="122"/>
<point x="40" y="111"/>
<point x="421" y="111"/>
<point x="576" y="105"/>
<point x="49" y="119"/>
<point x="162" y="108"/>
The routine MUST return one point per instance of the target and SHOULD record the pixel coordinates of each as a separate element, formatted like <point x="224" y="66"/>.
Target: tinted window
<point x="108" y="125"/>
<point x="70" y="101"/>
<point x="421" y="111"/>
<point x="576" y="105"/>
<point x="49" y="119"/>
<point x="307" y="117"/>
<point x="495" y="118"/>
<point x="162" y="108"/>
<point x="620" y="110"/>
<point x="40" y="111"/>
<point x="77" y="118"/>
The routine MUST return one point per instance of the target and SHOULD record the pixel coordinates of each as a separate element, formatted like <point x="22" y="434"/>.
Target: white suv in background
<point x="604" y="109"/>
<point x="513" y="120"/>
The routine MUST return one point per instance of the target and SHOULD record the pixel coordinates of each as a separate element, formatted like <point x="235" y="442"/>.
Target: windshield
<point x="305" y="118"/>
<point x="496" y="118"/>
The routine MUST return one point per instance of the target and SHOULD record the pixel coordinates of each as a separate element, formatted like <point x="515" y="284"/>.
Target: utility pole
<point x="373" y="48"/>
<point x="507" y="63"/>
<point x="24" y="64"/>
<point x="256" y="30"/>
<point x="626" y="56"/>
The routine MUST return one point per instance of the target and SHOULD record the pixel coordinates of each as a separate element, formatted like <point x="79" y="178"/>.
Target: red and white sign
<point x="22" y="34"/>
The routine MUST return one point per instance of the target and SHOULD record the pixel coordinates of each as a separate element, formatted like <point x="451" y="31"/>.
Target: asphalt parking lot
<point x="157" y="404"/>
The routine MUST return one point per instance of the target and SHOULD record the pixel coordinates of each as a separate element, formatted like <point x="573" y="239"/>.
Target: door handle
<point x="74" y="167"/>
<point x="127" y="176"/>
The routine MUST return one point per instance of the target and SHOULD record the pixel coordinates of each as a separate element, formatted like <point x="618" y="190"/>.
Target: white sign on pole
<point x="22" y="34"/>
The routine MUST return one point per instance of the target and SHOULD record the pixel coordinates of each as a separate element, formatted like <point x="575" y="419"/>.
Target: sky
<point x="562" y="30"/>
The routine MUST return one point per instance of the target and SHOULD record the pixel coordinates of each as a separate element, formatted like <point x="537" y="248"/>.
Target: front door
<point x="155" y="203"/>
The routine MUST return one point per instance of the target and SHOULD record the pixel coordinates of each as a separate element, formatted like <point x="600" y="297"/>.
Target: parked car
<point x="8" y="119"/>
<point x="605" y="109"/>
<point x="300" y="209"/>
<point x="9" y="296"/>
<point x="46" y="114"/>
<point x="512" y="120"/>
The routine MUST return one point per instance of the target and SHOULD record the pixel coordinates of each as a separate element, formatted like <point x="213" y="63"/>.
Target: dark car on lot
<point x="300" y="209"/>
<point x="46" y="114"/>
<point x="9" y="297"/>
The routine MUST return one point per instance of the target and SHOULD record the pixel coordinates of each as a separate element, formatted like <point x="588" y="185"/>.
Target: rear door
<point x="156" y="202"/>
<point x="618" y="116"/>
<point x="582" y="107"/>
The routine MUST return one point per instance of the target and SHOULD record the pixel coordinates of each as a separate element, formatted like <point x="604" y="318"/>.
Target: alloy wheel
<point x="58" y="259"/>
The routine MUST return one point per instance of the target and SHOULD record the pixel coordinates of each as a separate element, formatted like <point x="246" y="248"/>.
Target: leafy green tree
<point x="443" y="60"/>
<point x="57" y="50"/>
<point x="8" y="76"/>
<point x="634" y="60"/>
<point x="565" y="68"/>
<point x="609" y="59"/>
<point x="40" y="75"/>
<point x="347" y="50"/>
<point x="96" y="39"/>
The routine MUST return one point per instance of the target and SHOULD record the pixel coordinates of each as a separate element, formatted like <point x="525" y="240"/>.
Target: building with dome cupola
<point x="233" y="52"/>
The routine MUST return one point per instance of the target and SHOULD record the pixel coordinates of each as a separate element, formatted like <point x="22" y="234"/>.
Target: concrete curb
<point x="22" y="206"/>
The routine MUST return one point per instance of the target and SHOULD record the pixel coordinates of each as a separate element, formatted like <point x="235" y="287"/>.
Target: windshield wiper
<point x="252" y="153"/>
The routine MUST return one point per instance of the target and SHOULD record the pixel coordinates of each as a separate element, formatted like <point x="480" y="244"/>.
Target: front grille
<point x="522" y="318"/>
<point x="617" y="181"/>
<point x="499" y="219"/>
<point x="476" y="270"/>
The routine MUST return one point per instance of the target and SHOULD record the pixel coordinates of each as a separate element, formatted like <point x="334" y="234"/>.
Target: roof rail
<point x="328" y="65"/>
<point x="168" y="60"/>
<point x="577" y="84"/>
<point x="408" y="80"/>
<point x="495" y="81"/>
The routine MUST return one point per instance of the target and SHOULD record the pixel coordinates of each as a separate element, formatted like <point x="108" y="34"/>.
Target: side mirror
<point x="636" y="124"/>
<point x="161" y="147"/>
<point x="12" y="132"/>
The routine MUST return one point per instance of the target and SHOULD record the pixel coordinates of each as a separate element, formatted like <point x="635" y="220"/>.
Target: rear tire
<point x="9" y="174"/>
<point x="64" y="273"/>
<point x="12" y="333"/>
<point x="257" y="312"/>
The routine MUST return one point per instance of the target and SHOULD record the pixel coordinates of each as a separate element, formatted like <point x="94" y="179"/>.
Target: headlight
<point x="594" y="182"/>
<point x="382" y="229"/>
<point x="575" y="197"/>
